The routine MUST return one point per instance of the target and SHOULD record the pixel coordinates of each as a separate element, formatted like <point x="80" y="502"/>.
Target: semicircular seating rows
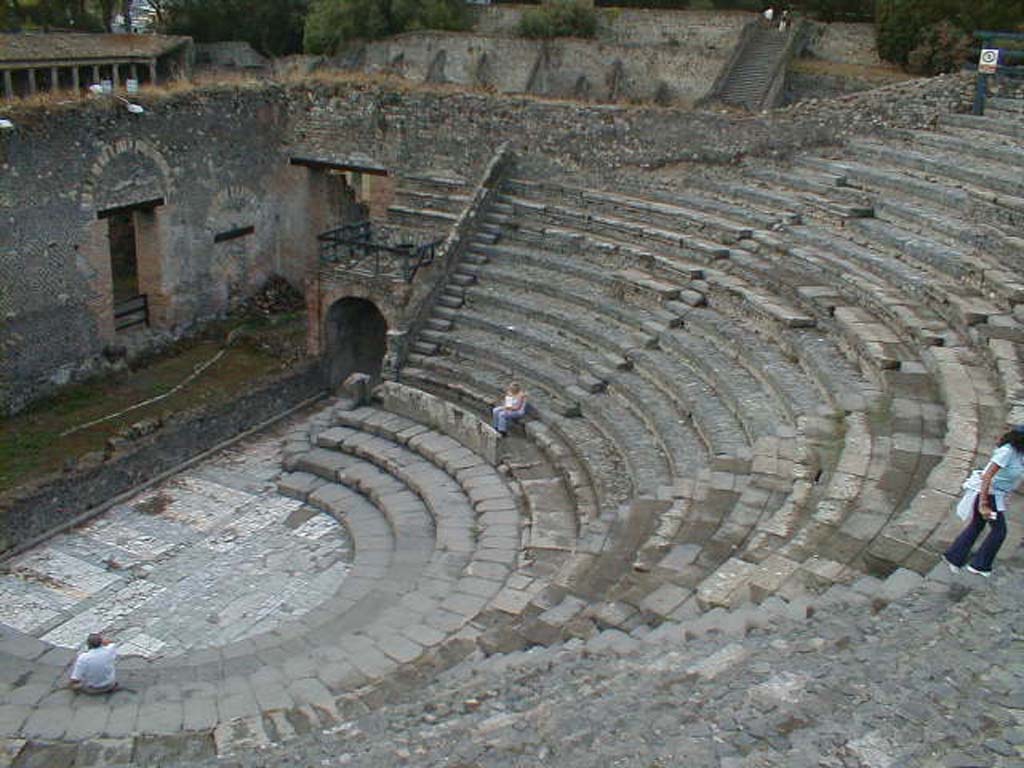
<point x="791" y="370"/>
<point x="746" y="388"/>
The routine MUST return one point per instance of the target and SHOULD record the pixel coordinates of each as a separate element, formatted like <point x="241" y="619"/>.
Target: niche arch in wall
<point x="355" y="336"/>
<point x="125" y="172"/>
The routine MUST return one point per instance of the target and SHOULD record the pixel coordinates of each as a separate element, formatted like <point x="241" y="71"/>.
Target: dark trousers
<point x="961" y="548"/>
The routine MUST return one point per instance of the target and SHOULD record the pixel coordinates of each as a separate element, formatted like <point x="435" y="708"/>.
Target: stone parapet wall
<point x="457" y="127"/>
<point x="458" y="423"/>
<point x="32" y="511"/>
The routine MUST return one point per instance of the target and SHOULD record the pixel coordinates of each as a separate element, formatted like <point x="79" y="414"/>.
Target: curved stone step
<point x="584" y="439"/>
<point x="660" y="369"/>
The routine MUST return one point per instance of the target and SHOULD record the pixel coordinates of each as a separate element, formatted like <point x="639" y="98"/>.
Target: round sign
<point x="988" y="61"/>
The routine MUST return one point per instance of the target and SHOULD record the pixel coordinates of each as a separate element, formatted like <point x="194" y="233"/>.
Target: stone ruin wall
<point x="564" y="68"/>
<point x="214" y="170"/>
<point x="668" y="58"/>
<point x="220" y="159"/>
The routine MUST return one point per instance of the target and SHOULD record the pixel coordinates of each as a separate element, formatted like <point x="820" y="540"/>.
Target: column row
<point x="26" y="81"/>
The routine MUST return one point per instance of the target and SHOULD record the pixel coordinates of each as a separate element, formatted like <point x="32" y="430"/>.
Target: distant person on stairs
<point x="769" y="14"/>
<point x="513" y="407"/>
<point x="1002" y="474"/>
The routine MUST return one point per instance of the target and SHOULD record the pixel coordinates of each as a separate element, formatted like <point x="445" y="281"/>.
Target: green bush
<point x="332" y="23"/>
<point x="563" y="18"/>
<point x="906" y="25"/>
<point x="840" y="10"/>
<point x="941" y="48"/>
<point x="272" y="27"/>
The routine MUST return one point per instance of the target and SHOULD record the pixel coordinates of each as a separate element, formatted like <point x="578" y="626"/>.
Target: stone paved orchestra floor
<point x="205" y="558"/>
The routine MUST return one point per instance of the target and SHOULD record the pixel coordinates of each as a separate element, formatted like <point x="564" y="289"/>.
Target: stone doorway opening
<point x="132" y="248"/>
<point x="124" y="264"/>
<point x="356" y="340"/>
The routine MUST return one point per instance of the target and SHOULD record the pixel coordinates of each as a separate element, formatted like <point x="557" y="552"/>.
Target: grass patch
<point x="31" y="445"/>
<point x="878" y="74"/>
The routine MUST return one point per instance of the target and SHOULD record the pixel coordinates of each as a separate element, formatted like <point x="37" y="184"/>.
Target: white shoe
<point x="985" y="574"/>
<point x="952" y="568"/>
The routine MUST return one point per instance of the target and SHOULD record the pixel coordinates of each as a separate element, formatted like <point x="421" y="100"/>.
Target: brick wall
<point x="201" y="154"/>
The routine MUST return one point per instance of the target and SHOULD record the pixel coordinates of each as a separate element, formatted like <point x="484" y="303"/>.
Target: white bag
<point x="971" y="486"/>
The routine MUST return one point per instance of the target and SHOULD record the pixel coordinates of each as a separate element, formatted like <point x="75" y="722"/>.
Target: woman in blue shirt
<point x="1001" y="475"/>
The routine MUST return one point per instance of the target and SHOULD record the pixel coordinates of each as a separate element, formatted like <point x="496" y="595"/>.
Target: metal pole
<point x="980" y="86"/>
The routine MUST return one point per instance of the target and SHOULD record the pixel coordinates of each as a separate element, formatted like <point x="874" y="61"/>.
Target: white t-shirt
<point x="1009" y="475"/>
<point x="95" y="668"/>
<point x="513" y="402"/>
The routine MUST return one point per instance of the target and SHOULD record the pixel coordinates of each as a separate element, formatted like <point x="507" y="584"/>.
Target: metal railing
<point x="356" y="249"/>
<point x="1010" y="63"/>
<point x="131" y="312"/>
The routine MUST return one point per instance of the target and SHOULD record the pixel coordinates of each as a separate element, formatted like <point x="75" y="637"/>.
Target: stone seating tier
<point x="494" y="300"/>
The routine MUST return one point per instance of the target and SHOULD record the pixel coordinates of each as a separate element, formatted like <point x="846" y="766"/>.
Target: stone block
<point x="665" y="599"/>
<point x="356" y="389"/>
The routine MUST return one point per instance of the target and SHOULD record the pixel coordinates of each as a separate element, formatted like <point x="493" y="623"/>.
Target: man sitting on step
<point x="94" y="668"/>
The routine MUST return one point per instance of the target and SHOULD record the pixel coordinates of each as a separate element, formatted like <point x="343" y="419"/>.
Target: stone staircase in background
<point x="750" y="78"/>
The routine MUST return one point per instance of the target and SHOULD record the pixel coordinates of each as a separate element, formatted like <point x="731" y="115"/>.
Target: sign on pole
<point x="988" y="61"/>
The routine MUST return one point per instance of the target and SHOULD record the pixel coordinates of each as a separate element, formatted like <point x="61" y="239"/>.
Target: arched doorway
<point x="356" y="340"/>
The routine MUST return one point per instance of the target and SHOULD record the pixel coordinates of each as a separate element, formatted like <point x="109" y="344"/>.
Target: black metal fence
<point x="358" y="249"/>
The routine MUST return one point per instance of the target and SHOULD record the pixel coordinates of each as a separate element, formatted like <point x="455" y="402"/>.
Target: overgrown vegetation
<point x="272" y="27"/>
<point x="81" y="15"/>
<point x="32" y="445"/>
<point x="932" y="36"/>
<point x="331" y="24"/>
<point x="562" y="18"/>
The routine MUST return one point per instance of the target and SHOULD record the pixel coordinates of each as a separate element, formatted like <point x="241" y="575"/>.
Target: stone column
<point x="76" y="83"/>
<point x="95" y="248"/>
<point x="31" y="81"/>
<point x="54" y="79"/>
<point x="152" y="71"/>
<point x="95" y="73"/>
<point x="115" y="76"/>
<point x="8" y="85"/>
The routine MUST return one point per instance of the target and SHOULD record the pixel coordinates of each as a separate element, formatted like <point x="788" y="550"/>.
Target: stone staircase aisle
<point x="747" y="83"/>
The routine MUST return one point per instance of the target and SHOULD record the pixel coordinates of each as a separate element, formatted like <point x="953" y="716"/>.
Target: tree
<point x="906" y="25"/>
<point x="272" y="27"/>
<point x="332" y="23"/>
<point x="561" y="18"/>
<point x="54" y="14"/>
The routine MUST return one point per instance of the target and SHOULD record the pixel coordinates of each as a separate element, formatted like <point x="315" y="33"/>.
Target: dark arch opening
<point x="356" y="340"/>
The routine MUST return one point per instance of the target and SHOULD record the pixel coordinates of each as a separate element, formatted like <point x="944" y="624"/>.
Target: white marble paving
<point x="208" y="557"/>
